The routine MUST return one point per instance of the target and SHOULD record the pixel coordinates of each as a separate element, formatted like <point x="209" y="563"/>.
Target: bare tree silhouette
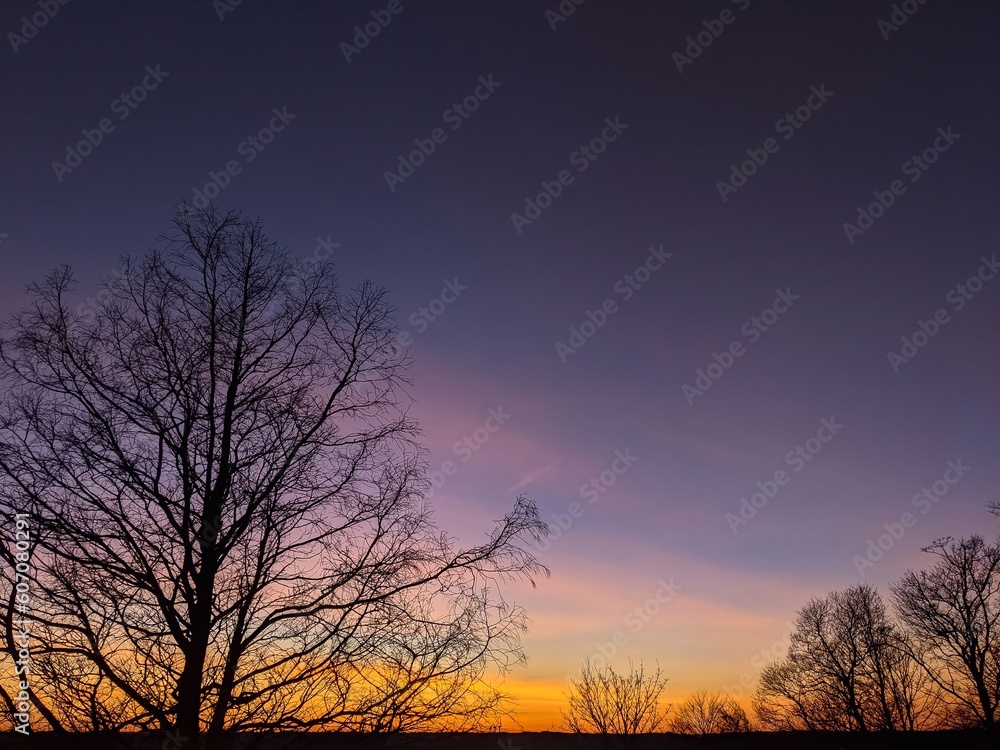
<point x="709" y="713"/>
<point x="228" y="505"/>
<point x="953" y="611"/>
<point x="848" y="668"/>
<point x="616" y="706"/>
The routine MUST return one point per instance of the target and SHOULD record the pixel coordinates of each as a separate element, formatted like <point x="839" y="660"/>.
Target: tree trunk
<point x="190" y="682"/>
<point x="189" y="687"/>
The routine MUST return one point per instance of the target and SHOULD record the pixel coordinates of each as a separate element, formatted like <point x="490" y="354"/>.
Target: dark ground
<point x="965" y="740"/>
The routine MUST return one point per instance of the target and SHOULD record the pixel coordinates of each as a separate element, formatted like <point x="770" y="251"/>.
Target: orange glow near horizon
<point x="540" y="705"/>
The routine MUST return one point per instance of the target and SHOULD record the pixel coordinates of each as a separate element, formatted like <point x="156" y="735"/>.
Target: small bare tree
<point x="953" y="611"/>
<point x="709" y="713"/>
<point x="616" y="706"/>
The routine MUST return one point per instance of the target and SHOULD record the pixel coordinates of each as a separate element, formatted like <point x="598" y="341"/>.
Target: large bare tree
<point x="848" y="667"/>
<point x="953" y="610"/>
<point x="228" y="505"/>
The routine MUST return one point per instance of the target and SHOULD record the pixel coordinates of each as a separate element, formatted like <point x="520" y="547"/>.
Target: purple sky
<point x="867" y="105"/>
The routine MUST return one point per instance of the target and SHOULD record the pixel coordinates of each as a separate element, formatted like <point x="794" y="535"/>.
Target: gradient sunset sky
<point x="832" y="303"/>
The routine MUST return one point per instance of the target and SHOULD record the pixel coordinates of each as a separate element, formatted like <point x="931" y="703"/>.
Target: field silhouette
<point x="960" y="739"/>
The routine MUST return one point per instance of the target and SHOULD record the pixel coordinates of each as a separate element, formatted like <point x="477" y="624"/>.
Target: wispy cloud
<point x="532" y="477"/>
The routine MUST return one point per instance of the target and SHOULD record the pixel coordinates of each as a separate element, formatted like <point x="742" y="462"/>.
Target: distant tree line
<point x="930" y="660"/>
<point x="936" y="663"/>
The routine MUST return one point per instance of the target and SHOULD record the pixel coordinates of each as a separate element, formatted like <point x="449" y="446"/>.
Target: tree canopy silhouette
<point x="848" y="667"/>
<point x="953" y="610"/>
<point x="617" y="706"/>
<point x="227" y="499"/>
<point x="707" y="712"/>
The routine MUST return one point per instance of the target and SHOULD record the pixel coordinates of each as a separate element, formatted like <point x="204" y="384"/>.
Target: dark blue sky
<point x="656" y="184"/>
